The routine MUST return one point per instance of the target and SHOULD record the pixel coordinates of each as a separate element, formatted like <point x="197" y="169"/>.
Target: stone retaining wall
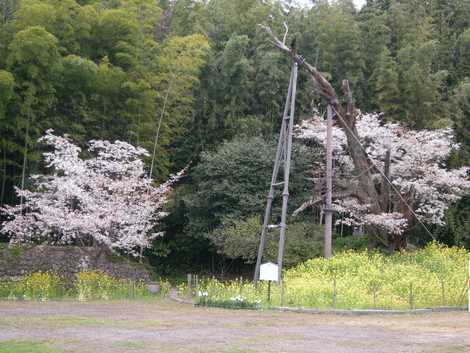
<point x="15" y="262"/>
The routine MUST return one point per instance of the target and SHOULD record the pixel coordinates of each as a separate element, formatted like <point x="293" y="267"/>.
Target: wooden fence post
<point x="443" y="293"/>
<point x="334" y="293"/>
<point x="411" y="297"/>
<point x="282" y="293"/>
<point x="375" y="297"/>
<point x="189" y="285"/>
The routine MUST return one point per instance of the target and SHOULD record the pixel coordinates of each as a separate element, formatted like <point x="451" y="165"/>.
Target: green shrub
<point x="239" y="239"/>
<point x="352" y="242"/>
<point x="15" y="250"/>
<point x="8" y="290"/>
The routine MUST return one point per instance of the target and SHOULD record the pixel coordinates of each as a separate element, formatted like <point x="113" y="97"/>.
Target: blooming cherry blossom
<point x="417" y="171"/>
<point x="106" y="199"/>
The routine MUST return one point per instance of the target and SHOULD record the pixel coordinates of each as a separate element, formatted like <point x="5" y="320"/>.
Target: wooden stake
<point x="443" y="293"/>
<point x="334" y="293"/>
<point x="282" y="293"/>
<point x="189" y="285"/>
<point x="411" y="299"/>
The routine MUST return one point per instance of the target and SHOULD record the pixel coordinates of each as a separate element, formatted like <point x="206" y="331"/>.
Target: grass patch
<point x="50" y="321"/>
<point x="453" y="349"/>
<point x="26" y="347"/>
<point x="80" y="321"/>
<point x="135" y="344"/>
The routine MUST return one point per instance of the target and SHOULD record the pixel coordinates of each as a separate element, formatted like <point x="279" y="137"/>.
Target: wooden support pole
<point x="277" y="163"/>
<point x="285" y="193"/>
<point x="269" y="291"/>
<point x="329" y="184"/>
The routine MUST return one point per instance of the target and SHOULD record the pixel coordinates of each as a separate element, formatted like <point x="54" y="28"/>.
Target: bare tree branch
<point x="285" y="34"/>
<point x="307" y="204"/>
<point x="350" y="109"/>
<point x="326" y="90"/>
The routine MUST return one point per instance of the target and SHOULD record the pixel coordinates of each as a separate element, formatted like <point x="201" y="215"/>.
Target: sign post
<point x="269" y="272"/>
<point x="269" y="291"/>
<point x="468" y="284"/>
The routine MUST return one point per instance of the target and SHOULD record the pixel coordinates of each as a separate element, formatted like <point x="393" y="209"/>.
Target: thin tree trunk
<point x="342" y="225"/>
<point x="139" y="116"/>
<point x="385" y="190"/>
<point x="25" y="161"/>
<point x="4" y="173"/>
<point x="157" y="134"/>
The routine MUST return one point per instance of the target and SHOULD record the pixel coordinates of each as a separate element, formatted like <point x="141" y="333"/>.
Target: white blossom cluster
<point x="351" y="211"/>
<point x="106" y="199"/>
<point x="418" y="168"/>
<point x="239" y="298"/>
<point x="392" y="223"/>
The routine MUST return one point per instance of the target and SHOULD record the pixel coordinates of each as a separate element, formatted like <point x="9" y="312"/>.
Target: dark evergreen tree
<point x="386" y="82"/>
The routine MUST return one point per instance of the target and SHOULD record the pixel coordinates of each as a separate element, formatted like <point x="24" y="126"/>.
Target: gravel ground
<point x="158" y="326"/>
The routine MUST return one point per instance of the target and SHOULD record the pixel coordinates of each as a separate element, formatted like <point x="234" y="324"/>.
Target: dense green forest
<point x="116" y="69"/>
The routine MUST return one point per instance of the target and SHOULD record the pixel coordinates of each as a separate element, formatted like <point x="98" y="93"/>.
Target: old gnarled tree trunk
<point x="365" y="189"/>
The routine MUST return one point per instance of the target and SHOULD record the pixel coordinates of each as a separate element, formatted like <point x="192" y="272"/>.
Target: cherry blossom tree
<point x="422" y="187"/>
<point x="408" y="169"/>
<point x="105" y="200"/>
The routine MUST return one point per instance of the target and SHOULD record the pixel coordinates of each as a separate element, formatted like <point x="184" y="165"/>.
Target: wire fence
<point x="335" y="294"/>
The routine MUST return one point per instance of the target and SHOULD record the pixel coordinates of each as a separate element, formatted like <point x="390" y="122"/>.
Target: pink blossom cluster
<point x="418" y="168"/>
<point x="106" y="199"/>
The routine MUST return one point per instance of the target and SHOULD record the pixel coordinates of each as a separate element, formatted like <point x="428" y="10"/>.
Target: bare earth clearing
<point x="157" y="326"/>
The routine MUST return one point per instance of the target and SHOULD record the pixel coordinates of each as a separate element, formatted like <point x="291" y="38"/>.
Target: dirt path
<point x="155" y="326"/>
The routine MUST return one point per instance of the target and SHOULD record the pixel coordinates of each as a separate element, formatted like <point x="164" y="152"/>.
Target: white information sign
<point x="268" y="272"/>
